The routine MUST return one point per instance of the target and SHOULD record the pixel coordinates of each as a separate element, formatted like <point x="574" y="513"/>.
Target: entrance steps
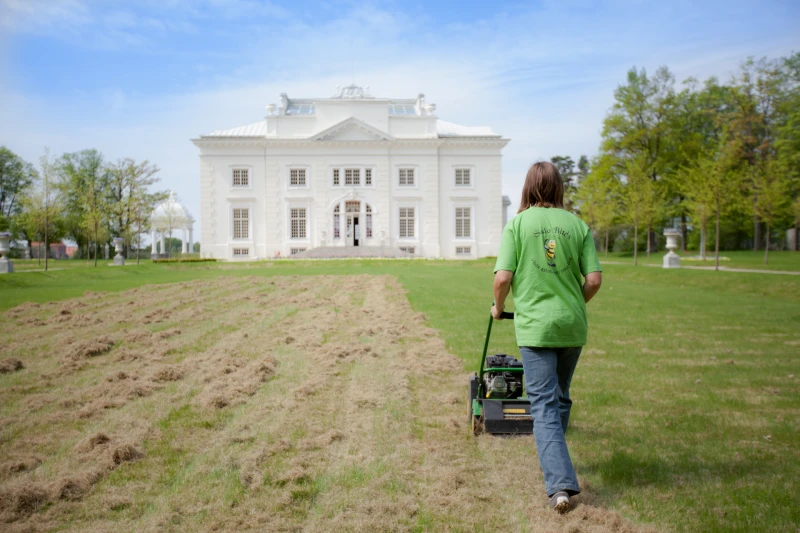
<point x="345" y="252"/>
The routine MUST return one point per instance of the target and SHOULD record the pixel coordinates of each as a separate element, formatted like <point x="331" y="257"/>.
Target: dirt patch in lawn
<point x="264" y="404"/>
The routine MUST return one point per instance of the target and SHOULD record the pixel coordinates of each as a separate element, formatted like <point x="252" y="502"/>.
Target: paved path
<point x="722" y="268"/>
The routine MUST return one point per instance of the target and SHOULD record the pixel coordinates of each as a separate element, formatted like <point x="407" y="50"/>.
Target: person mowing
<point x="544" y="255"/>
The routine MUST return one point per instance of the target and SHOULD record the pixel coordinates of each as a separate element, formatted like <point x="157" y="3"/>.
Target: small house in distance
<point x="347" y="173"/>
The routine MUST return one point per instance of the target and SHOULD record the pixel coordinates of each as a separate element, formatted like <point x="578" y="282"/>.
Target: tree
<point x="42" y="205"/>
<point x="772" y="196"/>
<point x="714" y="181"/>
<point x="82" y="177"/>
<point x="130" y="203"/>
<point x="566" y="167"/>
<point x="16" y="175"/>
<point x="641" y="199"/>
<point x="598" y="200"/>
<point x="638" y="128"/>
<point x="174" y="215"/>
<point x="583" y="169"/>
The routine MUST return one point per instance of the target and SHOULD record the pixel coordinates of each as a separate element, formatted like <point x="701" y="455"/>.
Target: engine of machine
<point x="500" y="383"/>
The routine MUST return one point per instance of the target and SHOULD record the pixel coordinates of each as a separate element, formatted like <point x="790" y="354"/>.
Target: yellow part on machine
<point x="514" y="411"/>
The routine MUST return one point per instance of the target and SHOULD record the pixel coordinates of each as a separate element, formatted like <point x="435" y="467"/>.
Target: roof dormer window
<point x="300" y="109"/>
<point x="402" y="109"/>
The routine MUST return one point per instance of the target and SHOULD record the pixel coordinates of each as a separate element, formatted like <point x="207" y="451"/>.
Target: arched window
<point x="369" y="222"/>
<point x="336" y="222"/>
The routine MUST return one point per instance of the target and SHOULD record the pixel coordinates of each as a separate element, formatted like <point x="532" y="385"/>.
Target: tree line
<point x="79" y="196"/>
<point x="717" y="158"/>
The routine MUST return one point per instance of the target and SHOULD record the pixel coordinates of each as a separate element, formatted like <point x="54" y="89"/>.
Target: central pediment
<point x="352" y="129"/>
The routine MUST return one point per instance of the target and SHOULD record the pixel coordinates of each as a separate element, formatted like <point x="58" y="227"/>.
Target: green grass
<point x="682" y="394"/>
<point x="789" y="261"/>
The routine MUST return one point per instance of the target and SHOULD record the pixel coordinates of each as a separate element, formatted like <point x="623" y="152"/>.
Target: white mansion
<point x="351" y="170"/>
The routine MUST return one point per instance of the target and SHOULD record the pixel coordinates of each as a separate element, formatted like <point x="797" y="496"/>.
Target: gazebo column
<point x="163" y="242"/>
<point x="191" y="242"/>
<point x="153" y="248"/>
<point x="184" y="246"/>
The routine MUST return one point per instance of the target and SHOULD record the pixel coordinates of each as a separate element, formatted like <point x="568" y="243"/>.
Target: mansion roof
<point x="352" y="114"/>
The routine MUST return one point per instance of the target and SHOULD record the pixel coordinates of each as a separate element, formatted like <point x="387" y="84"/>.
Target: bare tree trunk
<point x="796" y="239"/>
<point x="648" y="240"/>
<point x="756" y="233"/>
<point x="716" y="246"/>
<point x="95" y="244"/>
<point x="766" y="248"/>
<point x="703" y="240"/>
<point x="684" y="234"/>
<point x="46" y="223"/>
<point x="635" y="243"/>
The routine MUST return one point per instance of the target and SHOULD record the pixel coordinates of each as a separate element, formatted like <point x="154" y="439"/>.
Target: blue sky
<point x="139" y="78"/>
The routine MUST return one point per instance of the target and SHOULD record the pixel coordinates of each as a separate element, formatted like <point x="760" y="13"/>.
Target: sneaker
<point x="559" y="502"/>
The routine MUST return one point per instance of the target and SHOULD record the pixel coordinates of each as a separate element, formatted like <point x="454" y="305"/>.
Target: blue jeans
<point x="548" y="372"/>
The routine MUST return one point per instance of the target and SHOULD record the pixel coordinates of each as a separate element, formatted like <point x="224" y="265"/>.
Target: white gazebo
<point x="167" y="217"/>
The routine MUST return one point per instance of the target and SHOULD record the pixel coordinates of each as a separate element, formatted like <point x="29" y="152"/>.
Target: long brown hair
<point x="543" y="187"/>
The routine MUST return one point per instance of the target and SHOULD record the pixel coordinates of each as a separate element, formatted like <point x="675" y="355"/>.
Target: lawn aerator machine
<point x="495" y="393"/>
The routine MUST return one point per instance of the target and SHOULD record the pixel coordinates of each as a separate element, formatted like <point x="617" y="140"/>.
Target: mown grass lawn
<point x="687" y="401"/>
<point x="789" y="261"/>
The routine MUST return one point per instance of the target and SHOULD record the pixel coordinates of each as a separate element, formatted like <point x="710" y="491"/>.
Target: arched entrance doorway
<point x="352" y="222"/>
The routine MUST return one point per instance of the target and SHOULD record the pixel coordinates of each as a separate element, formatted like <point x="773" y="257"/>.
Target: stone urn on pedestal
<point x="672" y="260"/>
<point x="27" y="250"/>
<point x="6" y="267"/>
<point x="118" y="259"/>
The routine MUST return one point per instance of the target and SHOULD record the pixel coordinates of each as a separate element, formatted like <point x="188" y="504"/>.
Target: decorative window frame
<point x="456" y="249"/>
<point x="289" y="169"/>
<point x="299" y="203"/>
<point x="417" y="177"/>
<point x="249" y="185"/>
<point x="472" y="176"/>
<point x="241" y="204"/>
<point x="415" y="205"/>
<point x="362" y="169"/>
<point x="471" y="204"/>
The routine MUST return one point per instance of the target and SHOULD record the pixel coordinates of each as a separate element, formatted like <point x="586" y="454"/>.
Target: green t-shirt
<point x="549" y="250"/>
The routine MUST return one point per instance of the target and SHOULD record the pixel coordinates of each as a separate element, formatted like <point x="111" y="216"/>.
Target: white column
<point x="152" y="241"/>
<point x="342" y="223"/>
<point x="191" y="242"/>
<point x="183" y="241"/>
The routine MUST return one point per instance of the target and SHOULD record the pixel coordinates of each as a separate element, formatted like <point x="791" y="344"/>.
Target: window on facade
<point x="336" y="215"/>
<point x="241" y="177"/>
<point x="297" y="221"/>
<point x="463" y="250"/>
<point x="336" y="176"/>
<point x="367" y="176"/>
<point x="295" y="251"/>
<point x="352" y="176"/>
<point x="297" y="177"/>
<point x="463" y="225"/>
<point x="463" y="177"/>
<point x="352" y="206"/>
<point x="241" y="252"/>
<point x="368" y="223"/>
<point x="406" y="176"/>
<point x="241" y="223"/>
<point x="407" y="249"/>
<point x="406" y="222"/>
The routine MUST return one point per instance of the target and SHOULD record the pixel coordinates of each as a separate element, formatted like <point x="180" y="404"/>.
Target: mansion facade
<point x="351" y="171"/>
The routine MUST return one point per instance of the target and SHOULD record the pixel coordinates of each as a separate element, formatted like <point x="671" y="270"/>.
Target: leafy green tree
<point x="42" y="206"/>
<point x="642" y="199"/>
<point x="637" y="132"/>
<point x="598" y="200"/>
<point x="16" y="175"/>
<point x="772" y="196"/>
<point x="566" y="167"/>
<point x="130" y="202"/>
<point x="82" y="177"/>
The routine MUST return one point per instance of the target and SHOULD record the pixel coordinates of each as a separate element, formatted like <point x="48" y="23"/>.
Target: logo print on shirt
<point x="550" y="252"/>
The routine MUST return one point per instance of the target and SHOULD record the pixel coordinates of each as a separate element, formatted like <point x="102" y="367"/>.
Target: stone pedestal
<point x="672" y="260"/>
<point x="6" y="266"/>
<point x="118" y="259"/>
